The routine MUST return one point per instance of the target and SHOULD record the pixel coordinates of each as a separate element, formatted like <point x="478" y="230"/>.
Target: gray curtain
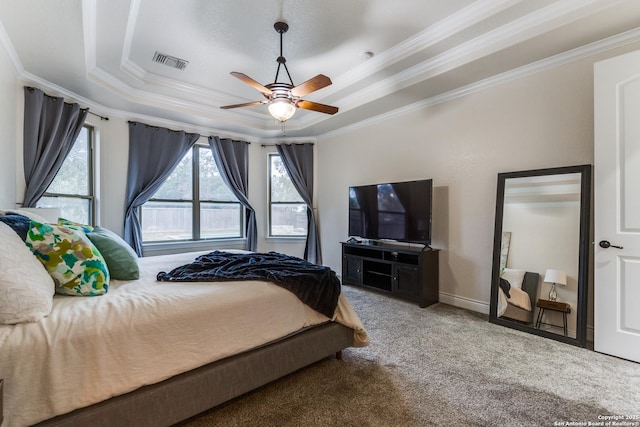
<point x="232" y="159"/>
<point x="51" y="126"/>
<point x="298" y="161"/>
<point x="153" y="154"/>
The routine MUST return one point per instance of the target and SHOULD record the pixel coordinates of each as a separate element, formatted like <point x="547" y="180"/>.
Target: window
<point x="194" y="203"/>
<point x="72" y="188"/>
<point x="287" y="210"/>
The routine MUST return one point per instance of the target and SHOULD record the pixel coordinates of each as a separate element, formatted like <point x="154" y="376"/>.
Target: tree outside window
<point x="194" y="203"/>
<point x="72" y="190"/>
<point x="287" y="210"/>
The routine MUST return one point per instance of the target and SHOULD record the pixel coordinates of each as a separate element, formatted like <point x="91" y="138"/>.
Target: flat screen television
<point x="399" y="211"/>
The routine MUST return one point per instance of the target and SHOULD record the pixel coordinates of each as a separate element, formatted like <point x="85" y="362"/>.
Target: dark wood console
<point x="403" y="272"/>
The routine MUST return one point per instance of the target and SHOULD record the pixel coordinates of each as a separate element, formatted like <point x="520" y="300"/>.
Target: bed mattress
<point x="141" y="332"/>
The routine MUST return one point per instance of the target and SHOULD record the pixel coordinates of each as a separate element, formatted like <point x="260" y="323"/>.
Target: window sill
<point x="164" y="248"/>
<point x="283" y="239"/>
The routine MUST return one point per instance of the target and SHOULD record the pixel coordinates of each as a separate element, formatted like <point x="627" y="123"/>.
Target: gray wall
<point x="8" y="137"/>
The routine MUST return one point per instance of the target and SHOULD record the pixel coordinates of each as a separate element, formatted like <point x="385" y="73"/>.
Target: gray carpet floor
<point x="441" y="366"/>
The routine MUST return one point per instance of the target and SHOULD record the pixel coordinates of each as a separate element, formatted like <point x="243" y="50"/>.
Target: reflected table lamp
<point x="555" y="277"/>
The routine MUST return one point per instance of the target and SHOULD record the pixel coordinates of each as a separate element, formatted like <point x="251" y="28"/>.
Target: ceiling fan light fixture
<point x="282" y="109"/>
<point x="283" y="99"/>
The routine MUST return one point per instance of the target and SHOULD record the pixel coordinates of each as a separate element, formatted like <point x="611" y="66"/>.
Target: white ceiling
<point x="99" y="52"/>
<point x="543" y="189"/>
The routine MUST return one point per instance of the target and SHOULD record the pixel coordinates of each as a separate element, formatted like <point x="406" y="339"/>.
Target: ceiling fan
<point x="284" y="98"/>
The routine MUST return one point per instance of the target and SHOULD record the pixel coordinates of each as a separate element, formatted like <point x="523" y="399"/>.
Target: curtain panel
<point x="154" y="152"/>
<point x="298" y="161"/>
<point x="51" y="127"/>
<point x="232" y="159"/>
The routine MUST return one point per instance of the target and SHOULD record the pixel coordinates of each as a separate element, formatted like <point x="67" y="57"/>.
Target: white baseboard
<point x="483" y="307"/>
<point x="466" y="303"/>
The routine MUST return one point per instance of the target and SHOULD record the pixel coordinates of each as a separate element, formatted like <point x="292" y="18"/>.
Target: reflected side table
<point x="560" y="307"/>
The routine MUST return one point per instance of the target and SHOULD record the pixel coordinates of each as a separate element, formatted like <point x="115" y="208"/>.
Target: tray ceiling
<point x="101" y="52"/>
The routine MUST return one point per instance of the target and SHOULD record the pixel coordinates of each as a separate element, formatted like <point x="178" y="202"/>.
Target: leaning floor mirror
<point x="541" y="250"/>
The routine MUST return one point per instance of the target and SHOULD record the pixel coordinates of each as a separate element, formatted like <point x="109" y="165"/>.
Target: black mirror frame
<point x="583" y="262"/>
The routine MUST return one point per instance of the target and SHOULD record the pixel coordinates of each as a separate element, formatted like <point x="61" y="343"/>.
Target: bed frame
<point x="530" y="286"/>
<point x="191" y="393"/>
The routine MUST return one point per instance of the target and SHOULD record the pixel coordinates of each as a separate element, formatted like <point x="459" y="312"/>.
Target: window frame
<point x="270" y="203"/>
<point x="91" y="178"/>
<point x="196" y="203"/>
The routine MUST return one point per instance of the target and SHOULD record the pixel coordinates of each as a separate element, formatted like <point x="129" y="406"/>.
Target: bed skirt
<point x="191" y="393"/>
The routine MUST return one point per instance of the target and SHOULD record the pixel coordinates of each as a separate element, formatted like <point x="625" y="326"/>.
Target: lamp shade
<point x="282" y="109"/>
<point x="556" y="276"/>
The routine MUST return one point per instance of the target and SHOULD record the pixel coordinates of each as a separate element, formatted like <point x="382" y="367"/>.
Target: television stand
<point x="407" y="273"/>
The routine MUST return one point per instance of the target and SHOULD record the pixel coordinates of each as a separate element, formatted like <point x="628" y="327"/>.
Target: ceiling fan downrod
<point x="281" y="28"/>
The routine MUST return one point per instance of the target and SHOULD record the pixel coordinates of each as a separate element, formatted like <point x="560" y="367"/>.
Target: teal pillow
<point x="121" y="259"/>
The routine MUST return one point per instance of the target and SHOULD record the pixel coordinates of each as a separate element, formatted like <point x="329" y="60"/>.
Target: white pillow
<point x="514" y="277"/>
<point x="26" y="289"/>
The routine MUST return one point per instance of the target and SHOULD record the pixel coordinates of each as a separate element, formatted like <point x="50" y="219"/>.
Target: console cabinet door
<point x="352" y="270"/>
<point x="406" y="280"/>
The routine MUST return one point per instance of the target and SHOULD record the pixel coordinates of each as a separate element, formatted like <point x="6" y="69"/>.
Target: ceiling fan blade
<point x="322" y="108"/>
<point x="248" y="80"/>
<point x="246" y="104"/>
<point x="311" y="85"/>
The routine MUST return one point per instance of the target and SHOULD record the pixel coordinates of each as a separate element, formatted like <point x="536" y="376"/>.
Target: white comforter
<point x="141" y="332"/>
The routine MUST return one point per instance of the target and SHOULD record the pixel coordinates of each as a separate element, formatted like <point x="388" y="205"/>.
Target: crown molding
<point x="548" y="18"/>
<point x="457" y="22"/>
<point x="580" y="53"/>
<point x="111" y="83"/>
<point x="450" y="26"/>
<point x="140" y="74"/>
<point x="89" y="19"/>
<point x="595" y="48"/>
<point x="55" y="90"/>
<point x="522" y="29"/>
<point x="10" y="52"/>
<point x="214" y="97"/>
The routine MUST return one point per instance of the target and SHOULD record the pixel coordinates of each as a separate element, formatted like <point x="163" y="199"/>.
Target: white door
<point x="617" y="206"/>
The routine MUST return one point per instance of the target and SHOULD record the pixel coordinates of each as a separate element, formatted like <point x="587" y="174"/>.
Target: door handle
<point x="605" y="244"/>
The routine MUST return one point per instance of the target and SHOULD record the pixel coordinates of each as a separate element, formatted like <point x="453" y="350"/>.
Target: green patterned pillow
<point x="75" y="225"/>
<point x="74" y="263"/>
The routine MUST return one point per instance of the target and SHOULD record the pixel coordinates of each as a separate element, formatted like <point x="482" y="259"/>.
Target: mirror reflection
<point x="541" y="231"/>
<point x="539" y="258"/>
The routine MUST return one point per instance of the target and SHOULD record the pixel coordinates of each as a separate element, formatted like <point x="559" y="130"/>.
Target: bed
<point x="151" y="353"/>
<point x="517" y="299"/>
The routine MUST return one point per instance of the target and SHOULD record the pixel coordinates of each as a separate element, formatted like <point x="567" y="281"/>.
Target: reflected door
<point x="617" y="207"/>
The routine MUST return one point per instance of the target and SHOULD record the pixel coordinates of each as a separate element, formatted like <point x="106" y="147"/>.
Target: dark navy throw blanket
<point x="20" y="223"/>
<point x="315" y="285"/>
<point x="506" y="287"/>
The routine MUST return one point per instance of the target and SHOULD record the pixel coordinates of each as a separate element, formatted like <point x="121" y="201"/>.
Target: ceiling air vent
<point x="171" y="61"/>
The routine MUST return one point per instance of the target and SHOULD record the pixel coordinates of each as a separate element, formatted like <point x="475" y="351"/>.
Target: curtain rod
<point x="32" y="89"/>
<point x="273" y="144"/>
<point x="98" y="115"/>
